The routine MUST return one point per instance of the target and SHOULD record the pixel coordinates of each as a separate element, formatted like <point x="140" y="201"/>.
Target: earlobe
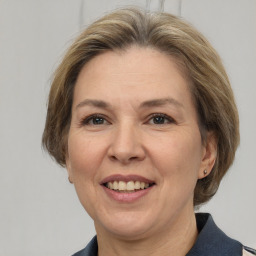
<point x="70" y="180"/>
<point x="209" y="156"/>
<point x="68" y="167"/>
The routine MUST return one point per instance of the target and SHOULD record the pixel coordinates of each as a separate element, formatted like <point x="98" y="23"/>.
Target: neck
<point x="176" y="239"/>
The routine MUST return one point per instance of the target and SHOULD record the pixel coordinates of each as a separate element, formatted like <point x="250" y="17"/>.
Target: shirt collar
<point x="211" y="241"/>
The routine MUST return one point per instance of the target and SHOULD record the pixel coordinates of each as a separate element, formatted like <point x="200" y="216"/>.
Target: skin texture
<point x="128" y="140"/>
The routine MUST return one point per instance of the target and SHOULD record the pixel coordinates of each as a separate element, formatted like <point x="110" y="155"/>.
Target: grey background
<point x="39" y="210"/>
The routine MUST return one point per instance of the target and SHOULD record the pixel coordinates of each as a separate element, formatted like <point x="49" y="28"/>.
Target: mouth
<point x="127" y="183"/>
<point x="127" y="187"/>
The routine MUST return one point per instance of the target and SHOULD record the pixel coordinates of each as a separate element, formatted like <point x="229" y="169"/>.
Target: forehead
<point x="130" y="60"/>
<point x="137" y="72"/>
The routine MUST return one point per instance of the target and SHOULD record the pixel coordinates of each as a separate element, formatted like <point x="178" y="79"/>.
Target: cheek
<point x="85" y="160"/>
<point x="84" y="155"/>
<point x="178" y="162"/>
<point x="179" y="157"/>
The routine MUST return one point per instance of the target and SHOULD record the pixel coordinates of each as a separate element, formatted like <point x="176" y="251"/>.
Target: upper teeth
<point x="130" y="185"/>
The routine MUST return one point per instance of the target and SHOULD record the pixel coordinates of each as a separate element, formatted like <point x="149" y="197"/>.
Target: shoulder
<point x="90" y="250"/>
<point x="213" y="241"/>
<point x="247" y="251"/>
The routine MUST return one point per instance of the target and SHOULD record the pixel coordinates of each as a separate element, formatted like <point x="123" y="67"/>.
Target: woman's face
<point x="134" y="125"/>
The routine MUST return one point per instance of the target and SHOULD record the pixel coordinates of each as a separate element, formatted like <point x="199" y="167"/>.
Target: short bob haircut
<point x="201" y="65"/>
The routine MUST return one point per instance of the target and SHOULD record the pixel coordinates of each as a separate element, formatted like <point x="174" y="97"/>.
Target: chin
<point x="128" y="227"/>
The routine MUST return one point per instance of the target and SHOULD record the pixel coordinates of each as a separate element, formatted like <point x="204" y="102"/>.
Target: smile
<point x="127" y="187"/>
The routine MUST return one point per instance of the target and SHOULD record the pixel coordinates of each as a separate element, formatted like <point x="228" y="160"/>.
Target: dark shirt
<point x="211" y="241"/>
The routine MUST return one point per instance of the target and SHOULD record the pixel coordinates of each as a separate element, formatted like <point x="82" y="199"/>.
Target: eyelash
<point x="168" y="118"/>
<point x="87" y="120"/>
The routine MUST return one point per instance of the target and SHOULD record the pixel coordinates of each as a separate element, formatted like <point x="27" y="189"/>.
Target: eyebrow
<point x="145" y="104"/>
<point x="161" y="102"/>
<point x="95" y="103"/>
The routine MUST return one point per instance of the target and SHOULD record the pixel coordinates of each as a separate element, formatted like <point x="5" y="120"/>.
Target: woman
<point x="142" y="115"/>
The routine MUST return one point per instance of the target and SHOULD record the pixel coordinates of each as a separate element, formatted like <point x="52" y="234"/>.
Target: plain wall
<point x="39" y="210"/>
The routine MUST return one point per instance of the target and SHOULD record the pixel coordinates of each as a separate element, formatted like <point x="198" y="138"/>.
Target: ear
<point x="209" y="154"/>
<point x="69" y="170"/>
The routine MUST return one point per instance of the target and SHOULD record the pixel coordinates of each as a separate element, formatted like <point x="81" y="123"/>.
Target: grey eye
<point x="159" y="120"/>
<point x="97" y="120"/>
<point x="94" y="120"/>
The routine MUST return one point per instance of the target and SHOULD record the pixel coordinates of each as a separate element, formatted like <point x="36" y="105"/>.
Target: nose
<point x="126" y="145"/>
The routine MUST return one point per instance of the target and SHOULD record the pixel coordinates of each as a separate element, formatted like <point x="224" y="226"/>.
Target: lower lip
<point x="127" y="197"/>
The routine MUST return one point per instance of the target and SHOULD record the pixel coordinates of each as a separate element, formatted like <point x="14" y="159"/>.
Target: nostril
<point x="123" y="159"/>
<point x="126" y="147"/>
<point x="114" y="158"/>
<point x="133" y="158"/>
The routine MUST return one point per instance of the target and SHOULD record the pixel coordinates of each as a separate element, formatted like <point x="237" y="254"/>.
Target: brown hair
<point x="169" y="34"/>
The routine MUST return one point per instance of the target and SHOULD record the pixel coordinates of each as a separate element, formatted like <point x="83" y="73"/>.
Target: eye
<point x="160" y="119"/>
<point x="95" y="119"/>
